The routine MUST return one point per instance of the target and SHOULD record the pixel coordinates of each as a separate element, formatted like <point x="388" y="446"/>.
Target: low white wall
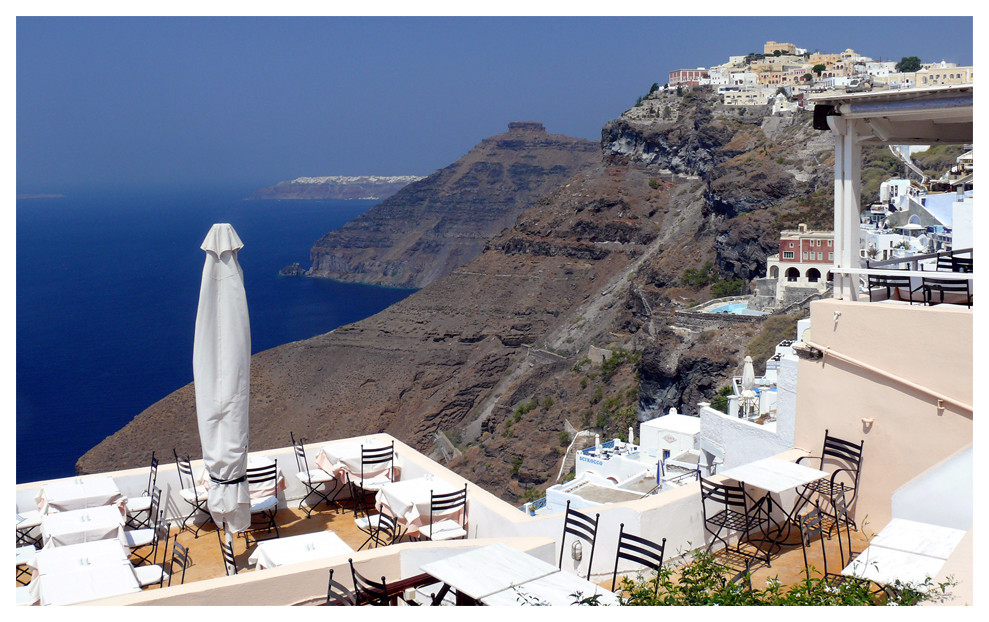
<point x="743" y="441"/>
<point x="942" y="495"/>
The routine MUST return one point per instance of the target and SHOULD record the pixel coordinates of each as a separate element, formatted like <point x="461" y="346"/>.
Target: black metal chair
<point x="265" y="508"/>
<point x="136" y="539"/>
<point x="446" y="504"/>
<point x="153" y="573"/>
<point x="943" y="287"/>
<point x="338" y="594"/>
<point x="313" y="479"/>
<point x="962" y="264"/>
<point x="582" y="527"/>
<point x="812" y="524"/>
<point x="840" y="518"/>
<point x="192" y="494"/>
<point x="139" y="514"/>
<point x="181" y="559"/>
<point x="374" y="472"/>
<point x="944" y="262"/>
<point x="733" y="511"/>
<point x="847" y="456"/>
<point x="368" y="591"/>
<point x="25" y="560"/>
<point x="892" y="285"/>
<point x="638" y="550"/>
<point x="227" y="551"/>
<point x="29" y="529"/>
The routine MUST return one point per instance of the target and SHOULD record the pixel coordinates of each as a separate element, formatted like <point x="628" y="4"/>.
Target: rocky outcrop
<point x="336" y="187"/>
<point x="433" y="226"/>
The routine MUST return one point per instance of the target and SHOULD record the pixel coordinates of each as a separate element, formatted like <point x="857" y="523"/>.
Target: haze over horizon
<point x="104" y="102"/>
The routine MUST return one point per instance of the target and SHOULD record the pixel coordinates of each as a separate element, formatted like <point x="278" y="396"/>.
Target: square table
<point x="78" y="493"/>
<point x="410" y="500"/>
<point x="85" y="582"/>
<point x="553" y="589"/>
<point x="59" y="558"/>
<point x="294" y="549"/>
<point x="775" y="476"/>
<point x="75" y="526"/>
<point x="487" y="570"/>
<point x="345" y="457"/>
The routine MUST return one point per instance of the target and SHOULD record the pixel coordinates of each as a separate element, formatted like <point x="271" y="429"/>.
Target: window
<point x="790" y="245"/>
<point x="787" y="254"/>
<point x="805" y="254"/>
<point x="820" y="256"/>
<point x="830" y="243"/>
<point x="830" y="256"/>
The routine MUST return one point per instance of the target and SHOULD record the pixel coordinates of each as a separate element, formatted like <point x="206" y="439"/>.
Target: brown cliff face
<point x="439" y="223"/>
<point x="596" y="262"/>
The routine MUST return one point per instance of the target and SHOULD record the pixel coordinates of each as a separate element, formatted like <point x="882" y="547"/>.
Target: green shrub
<point x="728" y="287"/>
<point x="720" y="402"/>
<point x="653" y="183"/>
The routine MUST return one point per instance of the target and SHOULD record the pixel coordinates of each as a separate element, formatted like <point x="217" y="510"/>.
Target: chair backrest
<point x="377" y="456"/>
<point x="227" y="550"/>
<point x="887" y="282"/>
<point x="368" y="591"/>
<point x="730" y="496"/>
<point x="962" y="264"/>
<point x="448" y="503"/>
<point x="300" y="455"/>
<point x="812" y="526"/>
<point x="180" y="559"/>
<point x="388" y="526"/>
<point x="338" y="594"/>
<point x="944" y="262"/>
<point x="638" y="550"/>
<point x="845" y="451"/>
<point x="184" y="468"/>
<point x="162" y="534"/>
<point x="262" y="474"/>
<point x="153" y="474"/>
<point x="581" y="526"/>
<point x="155" y="501"/>
<point x="841" y="516"/>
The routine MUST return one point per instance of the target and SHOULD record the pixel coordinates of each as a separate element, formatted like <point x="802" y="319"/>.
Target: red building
<point x="687" y="77"/>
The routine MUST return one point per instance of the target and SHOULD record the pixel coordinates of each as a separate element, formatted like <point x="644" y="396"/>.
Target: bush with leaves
<point x="703" y="581"/>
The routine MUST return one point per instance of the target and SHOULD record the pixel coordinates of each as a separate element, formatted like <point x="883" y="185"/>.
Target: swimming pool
<point x="736" y="308"/>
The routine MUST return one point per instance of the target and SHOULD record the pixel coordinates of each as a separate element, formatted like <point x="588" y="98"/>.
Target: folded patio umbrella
<point x="221" y="367"/>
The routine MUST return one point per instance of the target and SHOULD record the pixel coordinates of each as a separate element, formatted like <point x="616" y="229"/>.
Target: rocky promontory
<point x="439" y="223"/>
<point x="336" y="187"/>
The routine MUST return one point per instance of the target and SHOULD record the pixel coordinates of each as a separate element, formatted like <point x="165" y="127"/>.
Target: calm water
<point x="107" y="289"/>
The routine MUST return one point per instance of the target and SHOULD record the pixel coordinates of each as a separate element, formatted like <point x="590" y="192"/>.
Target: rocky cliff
<point x="493" y="355"/>
<point x="336" y="187"/>
<point x="439" y="223"/>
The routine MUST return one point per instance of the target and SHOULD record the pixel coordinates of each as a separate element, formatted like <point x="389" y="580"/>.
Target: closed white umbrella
<point x="221" y="368"/>
<point x="748" y="384"/>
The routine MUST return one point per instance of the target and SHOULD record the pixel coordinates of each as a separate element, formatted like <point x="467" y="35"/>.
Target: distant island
<point x="336" y="187"/>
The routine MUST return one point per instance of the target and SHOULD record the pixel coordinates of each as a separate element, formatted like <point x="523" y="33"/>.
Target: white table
<point x="60" y="558"/>
<point x="344" y="457"/>
<point x="78" y="493"/>
<point x="309" y="546"/>
<point x="485" y="571"/>
<point x="75" y="526"/>
<point x="257" y="491"/>
<point x="409" y="500"/>
<point x="85" y="582"/>
<point x="774" y="475"/>
<point x="553" y="589"/>
<point x="908" y="551"/>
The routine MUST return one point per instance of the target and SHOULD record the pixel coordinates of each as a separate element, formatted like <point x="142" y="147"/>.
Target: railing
<point x="914" y="260"/>
<point x="605" y="445"/>
<point x="536" y="505"/>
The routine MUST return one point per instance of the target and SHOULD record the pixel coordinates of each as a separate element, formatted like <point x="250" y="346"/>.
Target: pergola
<point x="921" y="116"/>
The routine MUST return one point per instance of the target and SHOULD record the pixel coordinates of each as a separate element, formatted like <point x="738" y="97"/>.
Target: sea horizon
<point x="107" y="287"/>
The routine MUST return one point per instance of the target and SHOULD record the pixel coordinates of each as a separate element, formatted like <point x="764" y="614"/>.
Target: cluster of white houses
<point x="753" y="79"/>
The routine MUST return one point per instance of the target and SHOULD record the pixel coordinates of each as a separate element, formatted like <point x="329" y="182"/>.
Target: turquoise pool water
<point x="737" y="308"/>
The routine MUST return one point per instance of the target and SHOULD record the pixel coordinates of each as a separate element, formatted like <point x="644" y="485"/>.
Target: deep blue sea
<point x="107" y="290"/>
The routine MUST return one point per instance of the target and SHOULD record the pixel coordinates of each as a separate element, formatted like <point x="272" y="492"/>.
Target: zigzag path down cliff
<point x="598" y="261"/>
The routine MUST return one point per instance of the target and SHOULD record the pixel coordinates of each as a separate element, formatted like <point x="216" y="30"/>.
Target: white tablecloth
<point x="485" y="571"/>
<point x="75" y="526"/>
<point x="78" y="493"/>
<point x="82" y="583"/>
<point x="774" y="475"/>
<point x="60" y="558"/>
<point x="258" y="491"/>
<point x="341" y="458"/>
<point x="409" y="500"/>
<point x="294" y="549"/>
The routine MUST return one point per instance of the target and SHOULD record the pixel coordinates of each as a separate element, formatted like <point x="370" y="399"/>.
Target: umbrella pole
<point x="229" y="539"/>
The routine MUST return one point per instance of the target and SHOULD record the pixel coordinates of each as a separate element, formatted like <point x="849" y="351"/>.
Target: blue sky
<point x="104" y="102"/>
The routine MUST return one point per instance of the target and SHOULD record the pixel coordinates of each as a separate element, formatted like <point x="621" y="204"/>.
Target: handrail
<point x="931" y="274"/>
<point x="826" y="351"/>
<point x="898" y="260"/>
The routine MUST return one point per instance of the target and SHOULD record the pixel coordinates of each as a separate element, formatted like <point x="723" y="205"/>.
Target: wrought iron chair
<point x="639" y="550"/>
<point x="811" y="526"/>
<point x="25" y="556"/>
<point x="313" y="479"/>
<point x="139" y="513"/>
<point x="733" y="511"/>
<point x="892" y="285"/>
<point x="446" y="504"/>
<point x="381" y="529"/>
<point x="582" y="527"/>
<point x="944" y="263"/>
<point x="962" y="264"/>
<point x="181" y="559"/>
<point x="153" y="573"/>
<point x="374" y="472"/>
<point x="135" y="539"/>
<point x="192" y="494"/>
<point x="227" y="551"/>
<point x="27" y="522"/>
<point x="265" y="508"/>
<point x="369" y="591"/>
<point x="946" y="287"/>
<point x="848" y="457"/>
<point x="338" y="594"/>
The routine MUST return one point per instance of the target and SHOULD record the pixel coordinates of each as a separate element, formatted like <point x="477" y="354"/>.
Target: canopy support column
<point x="847" y="189"/>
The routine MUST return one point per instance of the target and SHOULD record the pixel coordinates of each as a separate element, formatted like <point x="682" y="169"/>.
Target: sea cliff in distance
<point x="336" y="187"/>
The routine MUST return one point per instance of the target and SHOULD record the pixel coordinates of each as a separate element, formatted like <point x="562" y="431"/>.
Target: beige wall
<point x="930" y="346"/>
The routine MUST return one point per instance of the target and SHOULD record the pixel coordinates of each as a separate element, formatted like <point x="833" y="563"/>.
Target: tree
<point x="907" y="64"/>
<point x="654" y="87"/>
<point x="777" y="52"/>
<point x="807" y="77"/>
<point x="818" y="69"/>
